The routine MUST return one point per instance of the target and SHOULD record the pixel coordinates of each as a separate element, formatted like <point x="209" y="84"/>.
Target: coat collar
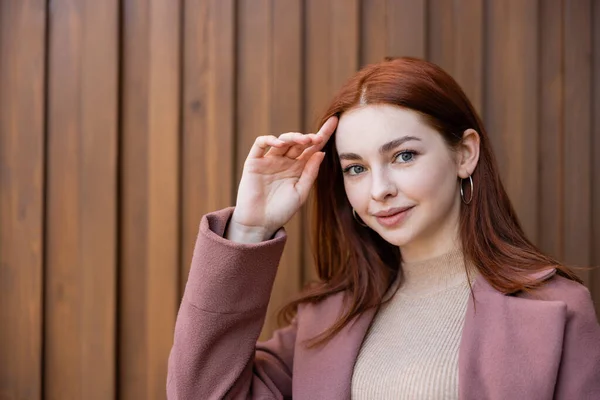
<point x="500" y="341"/>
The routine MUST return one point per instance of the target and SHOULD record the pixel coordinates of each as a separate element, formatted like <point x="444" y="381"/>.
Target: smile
<point x="394" y="219"/>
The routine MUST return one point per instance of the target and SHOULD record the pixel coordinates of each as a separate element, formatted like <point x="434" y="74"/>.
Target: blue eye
<point x="406" y="156"/>
<point x="357" y="169"/>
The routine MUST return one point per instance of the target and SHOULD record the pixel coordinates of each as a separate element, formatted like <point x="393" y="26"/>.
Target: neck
<point x="434" y="274"/>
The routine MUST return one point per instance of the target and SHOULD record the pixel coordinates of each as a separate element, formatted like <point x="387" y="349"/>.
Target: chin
<point x="396" y="238"/>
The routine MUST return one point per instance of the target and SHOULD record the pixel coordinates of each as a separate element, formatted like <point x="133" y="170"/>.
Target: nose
<point x="382" y="187"/>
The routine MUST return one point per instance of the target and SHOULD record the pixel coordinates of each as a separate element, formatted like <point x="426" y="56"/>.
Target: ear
<point x="468" y="153"/>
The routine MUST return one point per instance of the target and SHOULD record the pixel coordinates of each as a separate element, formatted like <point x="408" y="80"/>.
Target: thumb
<point x="309" y="174"/>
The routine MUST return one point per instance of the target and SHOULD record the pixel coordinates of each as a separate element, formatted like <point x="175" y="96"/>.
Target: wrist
<point x="246" y="234"/>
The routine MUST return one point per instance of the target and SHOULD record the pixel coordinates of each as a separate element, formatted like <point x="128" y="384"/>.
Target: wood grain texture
<point x="455" y="42"/>
<point x="317" y="91"/>
<point x="150" y="195"/>
<point x="22" y="142"/>
<point x="80" y="296"/>
<point x="595" y="275"/>
<point x="406" y="28"/>
<point x="122" y="123"/>
<point x="551" y="139"/>
<point x="577" y="141"/>
<point x="511" y="102"/>
<point x="207" y="116"/>
<point x="286" y="116"/>
<point x="331" y="56"/>
<point x="373" y="35"/>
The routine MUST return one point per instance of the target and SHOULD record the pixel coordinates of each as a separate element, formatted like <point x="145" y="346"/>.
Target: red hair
<point x="356" y="260"/>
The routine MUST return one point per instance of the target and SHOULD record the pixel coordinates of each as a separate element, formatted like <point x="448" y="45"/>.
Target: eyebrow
<point x="383" y="149"/>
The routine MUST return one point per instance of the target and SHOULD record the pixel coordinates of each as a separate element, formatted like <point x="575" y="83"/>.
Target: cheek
<point x="355" y="191"/>
<point x="429" y="183"/>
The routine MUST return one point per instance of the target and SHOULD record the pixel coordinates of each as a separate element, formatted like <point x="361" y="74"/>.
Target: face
<point x="395" y="164"/>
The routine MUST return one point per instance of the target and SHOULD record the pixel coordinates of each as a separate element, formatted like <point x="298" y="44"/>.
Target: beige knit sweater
<point x="411" y="348"/>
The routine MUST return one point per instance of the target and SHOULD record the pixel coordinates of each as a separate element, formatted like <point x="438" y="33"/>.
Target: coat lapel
<point x="510" y="346"/>
<point x="326" y="372"/>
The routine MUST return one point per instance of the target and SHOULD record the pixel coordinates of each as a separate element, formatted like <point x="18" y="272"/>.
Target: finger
<point x="309" y="174"/>
<point x="296" y="150"/>
<point x="327" y="130"/>
<point x="262" y="144"/>
<point x="328" y="127"/>
<point x="290" y="139"/>
<point x="308" y="152"/>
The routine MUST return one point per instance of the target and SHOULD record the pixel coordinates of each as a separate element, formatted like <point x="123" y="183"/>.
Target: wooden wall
<point x="122" y="122"/>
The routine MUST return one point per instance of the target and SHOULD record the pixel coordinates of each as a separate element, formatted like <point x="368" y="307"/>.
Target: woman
<point x="429" y="288"/>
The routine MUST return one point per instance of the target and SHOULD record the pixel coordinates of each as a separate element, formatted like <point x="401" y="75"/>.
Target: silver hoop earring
<point x="462" y="194"/>
<point x="357" y="219"/>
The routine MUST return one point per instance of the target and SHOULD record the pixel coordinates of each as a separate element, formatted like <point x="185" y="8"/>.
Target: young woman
<point x="428" y="288"/>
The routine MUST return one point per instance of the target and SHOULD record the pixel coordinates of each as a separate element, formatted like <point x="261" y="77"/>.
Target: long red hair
<point x="353" y="259"/>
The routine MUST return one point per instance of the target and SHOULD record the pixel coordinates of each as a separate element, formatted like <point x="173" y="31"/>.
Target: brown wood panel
<point x="406" y="28"/>
<point x="80" y="296"/>
<point x="373" y="44"/>
<point x="22" y="89"/>
<point x="250" y="67"/>
<point x="286" y="116"/>
<point x="208" y="116"/>
<point x="441" y="27"/>
<point x="331" y="57"/>
<point x="254" y="85"/>
<point x="468" y="61"/>
<point x="255" y="66"/>
<point x="455" y="32"/>
<point x="577" y="141"/>
<point x="150" y="195"/>
<point x="551" y="156"/>
<point x="511" y="101"/>
<point x="345" y="42"/>
<point x="317" y="91"/>
<point x="595" y="286"/>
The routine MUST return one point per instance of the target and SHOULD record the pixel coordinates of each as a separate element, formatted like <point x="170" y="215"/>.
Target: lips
<point x="393" y="219"/>
<point x="391" y="211"/>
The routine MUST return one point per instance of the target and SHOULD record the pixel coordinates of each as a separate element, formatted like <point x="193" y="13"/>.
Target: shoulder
<point x="554" y="287"/>
<point x="575" y="297"/>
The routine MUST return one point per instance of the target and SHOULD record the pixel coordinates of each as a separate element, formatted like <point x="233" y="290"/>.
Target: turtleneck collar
<point x="434" y="275"/>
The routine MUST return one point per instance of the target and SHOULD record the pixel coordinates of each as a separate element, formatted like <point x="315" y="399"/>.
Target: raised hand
<point x="277" y="177"/>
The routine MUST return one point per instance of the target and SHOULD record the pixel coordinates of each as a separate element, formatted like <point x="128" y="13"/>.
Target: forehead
<point x="372" y="125"/>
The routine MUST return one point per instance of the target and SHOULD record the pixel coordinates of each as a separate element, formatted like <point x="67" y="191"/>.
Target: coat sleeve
<point x="579" y="370"/>
<point x="215" y="353"/>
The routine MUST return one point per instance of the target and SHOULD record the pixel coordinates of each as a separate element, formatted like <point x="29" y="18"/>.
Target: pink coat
<point x="512" y="347"/>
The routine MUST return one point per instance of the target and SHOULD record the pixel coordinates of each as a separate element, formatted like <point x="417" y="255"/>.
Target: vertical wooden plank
<point x="316" y="60"/>
<point x="22" y="88"/>
<point x="254" y="85"/>
<point x="80" y="302"/>
<point x="551" y="216"/>
<point x="286" y="108"/>
<point x="595" y="287"/>
<point x="441" y="30"/>
<point x="454" y="37"/>
<point x="254" y="72"/>
<point x="150" y="187"/>
<point x="511" y="101"/>
<point x="454" y="42"/>
<point x="208" y="116"/>
<point x="577" y="144"/>
<point x="331" y="57"/>
<point x="406" y="28"/>
<point x="344" y="56"/>
<point x="317" y="91"/>
<point x="468" y="49"/>
<point x="372" y="44"/>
